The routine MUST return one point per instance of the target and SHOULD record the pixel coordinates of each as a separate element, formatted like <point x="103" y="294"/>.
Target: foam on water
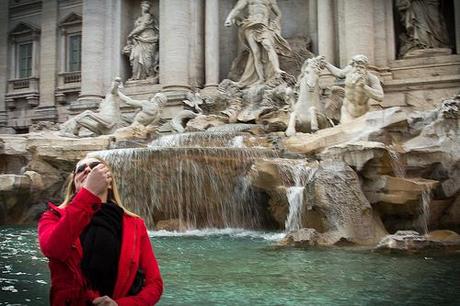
<point x="232" y="232"/>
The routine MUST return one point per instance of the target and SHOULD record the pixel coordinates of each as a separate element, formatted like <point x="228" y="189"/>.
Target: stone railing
<point x="19" y="84"/>
<point x="23" y="85"/>
<point x="67" y="80"/>
<point x="71" y="77"/>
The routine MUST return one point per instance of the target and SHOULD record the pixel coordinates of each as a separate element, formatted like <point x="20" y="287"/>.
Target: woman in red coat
<point x="99" y="253"/>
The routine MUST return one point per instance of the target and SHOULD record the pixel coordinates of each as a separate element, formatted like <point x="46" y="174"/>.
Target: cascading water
<point x="194" y="187"/>
<point x="196" y="139"/>
<point x="396" y="162"/>
<point x="424" y="211"/>
<point x="297" y="173"/>
<point x="295" y="199"/>
<point x="237" y="142"/>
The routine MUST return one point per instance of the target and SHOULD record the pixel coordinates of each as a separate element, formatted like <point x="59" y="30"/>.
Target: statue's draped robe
<point x="425" y="26"/>
<point x="243" y="66"/>
<point x="144" y="49"/>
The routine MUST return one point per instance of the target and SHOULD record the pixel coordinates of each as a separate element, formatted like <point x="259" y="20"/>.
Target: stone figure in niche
<point x="424" y="25"/>
<point x="259" y="23"/>
<point x="105" y="121"/>
<point x="142" y="45"/>
<point x="360" y="86"/>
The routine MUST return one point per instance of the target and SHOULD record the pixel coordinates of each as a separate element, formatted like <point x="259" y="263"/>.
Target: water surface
<point x="237" y="267"/>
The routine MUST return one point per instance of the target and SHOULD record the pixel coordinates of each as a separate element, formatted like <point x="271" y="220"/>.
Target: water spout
<point x="298" y="173"/>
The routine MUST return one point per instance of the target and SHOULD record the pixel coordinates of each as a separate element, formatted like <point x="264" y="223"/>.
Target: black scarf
<point x="101" y="242"/>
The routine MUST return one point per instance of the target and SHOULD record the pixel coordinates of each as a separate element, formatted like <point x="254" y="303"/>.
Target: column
<point x="457" y="25"/>
<point x="48" y="62"/>
<point x="113" y="43"/>
<point x="212" y="43"/>
<point x="390" y="31"/>
<point x="313" y="23"/>
<point x="174" y="45"/>
<point x="326" y="30"/>
<point x="197" y="44"/>
<point x="3" y="63"/>
<point x="358" y="27"/>
<point x="92" y="56"/>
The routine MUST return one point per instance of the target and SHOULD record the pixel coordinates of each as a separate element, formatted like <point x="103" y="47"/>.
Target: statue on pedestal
<point x="105" y="121"/>
<point x="360" y="86"/>
<point x="142" y="45"/>
<point x="260" y="35"/>
<point x="424" y="25"/>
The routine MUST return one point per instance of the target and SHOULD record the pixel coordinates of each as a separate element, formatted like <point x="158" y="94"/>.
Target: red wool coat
<point x="59" y="232"/>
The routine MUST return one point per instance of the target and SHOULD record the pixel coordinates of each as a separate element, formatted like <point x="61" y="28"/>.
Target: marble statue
<point x="424" y="25"/>
<point x="360" y="86"/>
<point x="105" y="121"/>
<point x="306" y="110"/>
<point x="193" y="109"/>
<point x="149" y="109"/>
<point x="260" y="36"/>
<point x="142" y="45"/>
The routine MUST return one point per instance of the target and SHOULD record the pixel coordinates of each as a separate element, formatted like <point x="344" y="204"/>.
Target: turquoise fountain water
<point x="238" y="267"/>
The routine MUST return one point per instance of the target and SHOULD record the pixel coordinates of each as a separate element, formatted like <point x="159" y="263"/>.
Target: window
<point x="25" y="59"/>
<point x="24" y="48"/>
<point x="74" y="52"/>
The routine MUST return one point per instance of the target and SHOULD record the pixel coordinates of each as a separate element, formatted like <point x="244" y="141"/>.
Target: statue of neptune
<point x="260" y="35"/>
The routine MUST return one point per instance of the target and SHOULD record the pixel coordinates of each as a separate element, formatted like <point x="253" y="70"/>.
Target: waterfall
<point x="295" y="199"/>
<point x="298" y="173"/>
<point x="396" y="163"/>
<point x="195" y="187"/>
<point x="195" y="139"/>
<point x="424" y="211"/>
<point x="237" y="142"/>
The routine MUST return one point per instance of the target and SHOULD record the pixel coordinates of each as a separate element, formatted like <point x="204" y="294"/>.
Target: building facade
<point x="58" y="57"/>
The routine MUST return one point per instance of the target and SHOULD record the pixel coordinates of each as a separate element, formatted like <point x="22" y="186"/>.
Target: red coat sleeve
<point x="153" y="287"/>
<point x="57" y="234"/>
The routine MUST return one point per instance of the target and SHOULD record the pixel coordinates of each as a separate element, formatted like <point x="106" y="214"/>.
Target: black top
<point x="101" y="242"/>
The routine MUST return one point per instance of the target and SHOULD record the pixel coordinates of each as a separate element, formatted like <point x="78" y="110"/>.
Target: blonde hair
<point x="113" y="194"/>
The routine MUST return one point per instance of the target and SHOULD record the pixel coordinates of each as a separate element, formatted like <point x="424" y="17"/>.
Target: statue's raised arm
<point x="130" y="101"/>
<point x="360" y="86"/>
<point x="239" y="7"/>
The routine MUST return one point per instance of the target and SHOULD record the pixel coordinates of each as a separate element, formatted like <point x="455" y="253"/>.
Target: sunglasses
<point x="82" y="167"/>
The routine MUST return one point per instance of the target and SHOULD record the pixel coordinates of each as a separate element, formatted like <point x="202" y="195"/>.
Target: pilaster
<point x="313" y="23"/>
<point x="357" y="23"/>
<point x="93" y="55"/>
<point x="174" y="44"/>
<point x="326" y="30"/>
<point x="197" y="43"/>
<point x="457" y="25"/>
<point x="212" y="58"/>
<point x="48" y="63"/>
<point x="3" y="62"/>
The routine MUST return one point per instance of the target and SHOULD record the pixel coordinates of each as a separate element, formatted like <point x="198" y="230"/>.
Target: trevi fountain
<point x="300" y="177"/>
